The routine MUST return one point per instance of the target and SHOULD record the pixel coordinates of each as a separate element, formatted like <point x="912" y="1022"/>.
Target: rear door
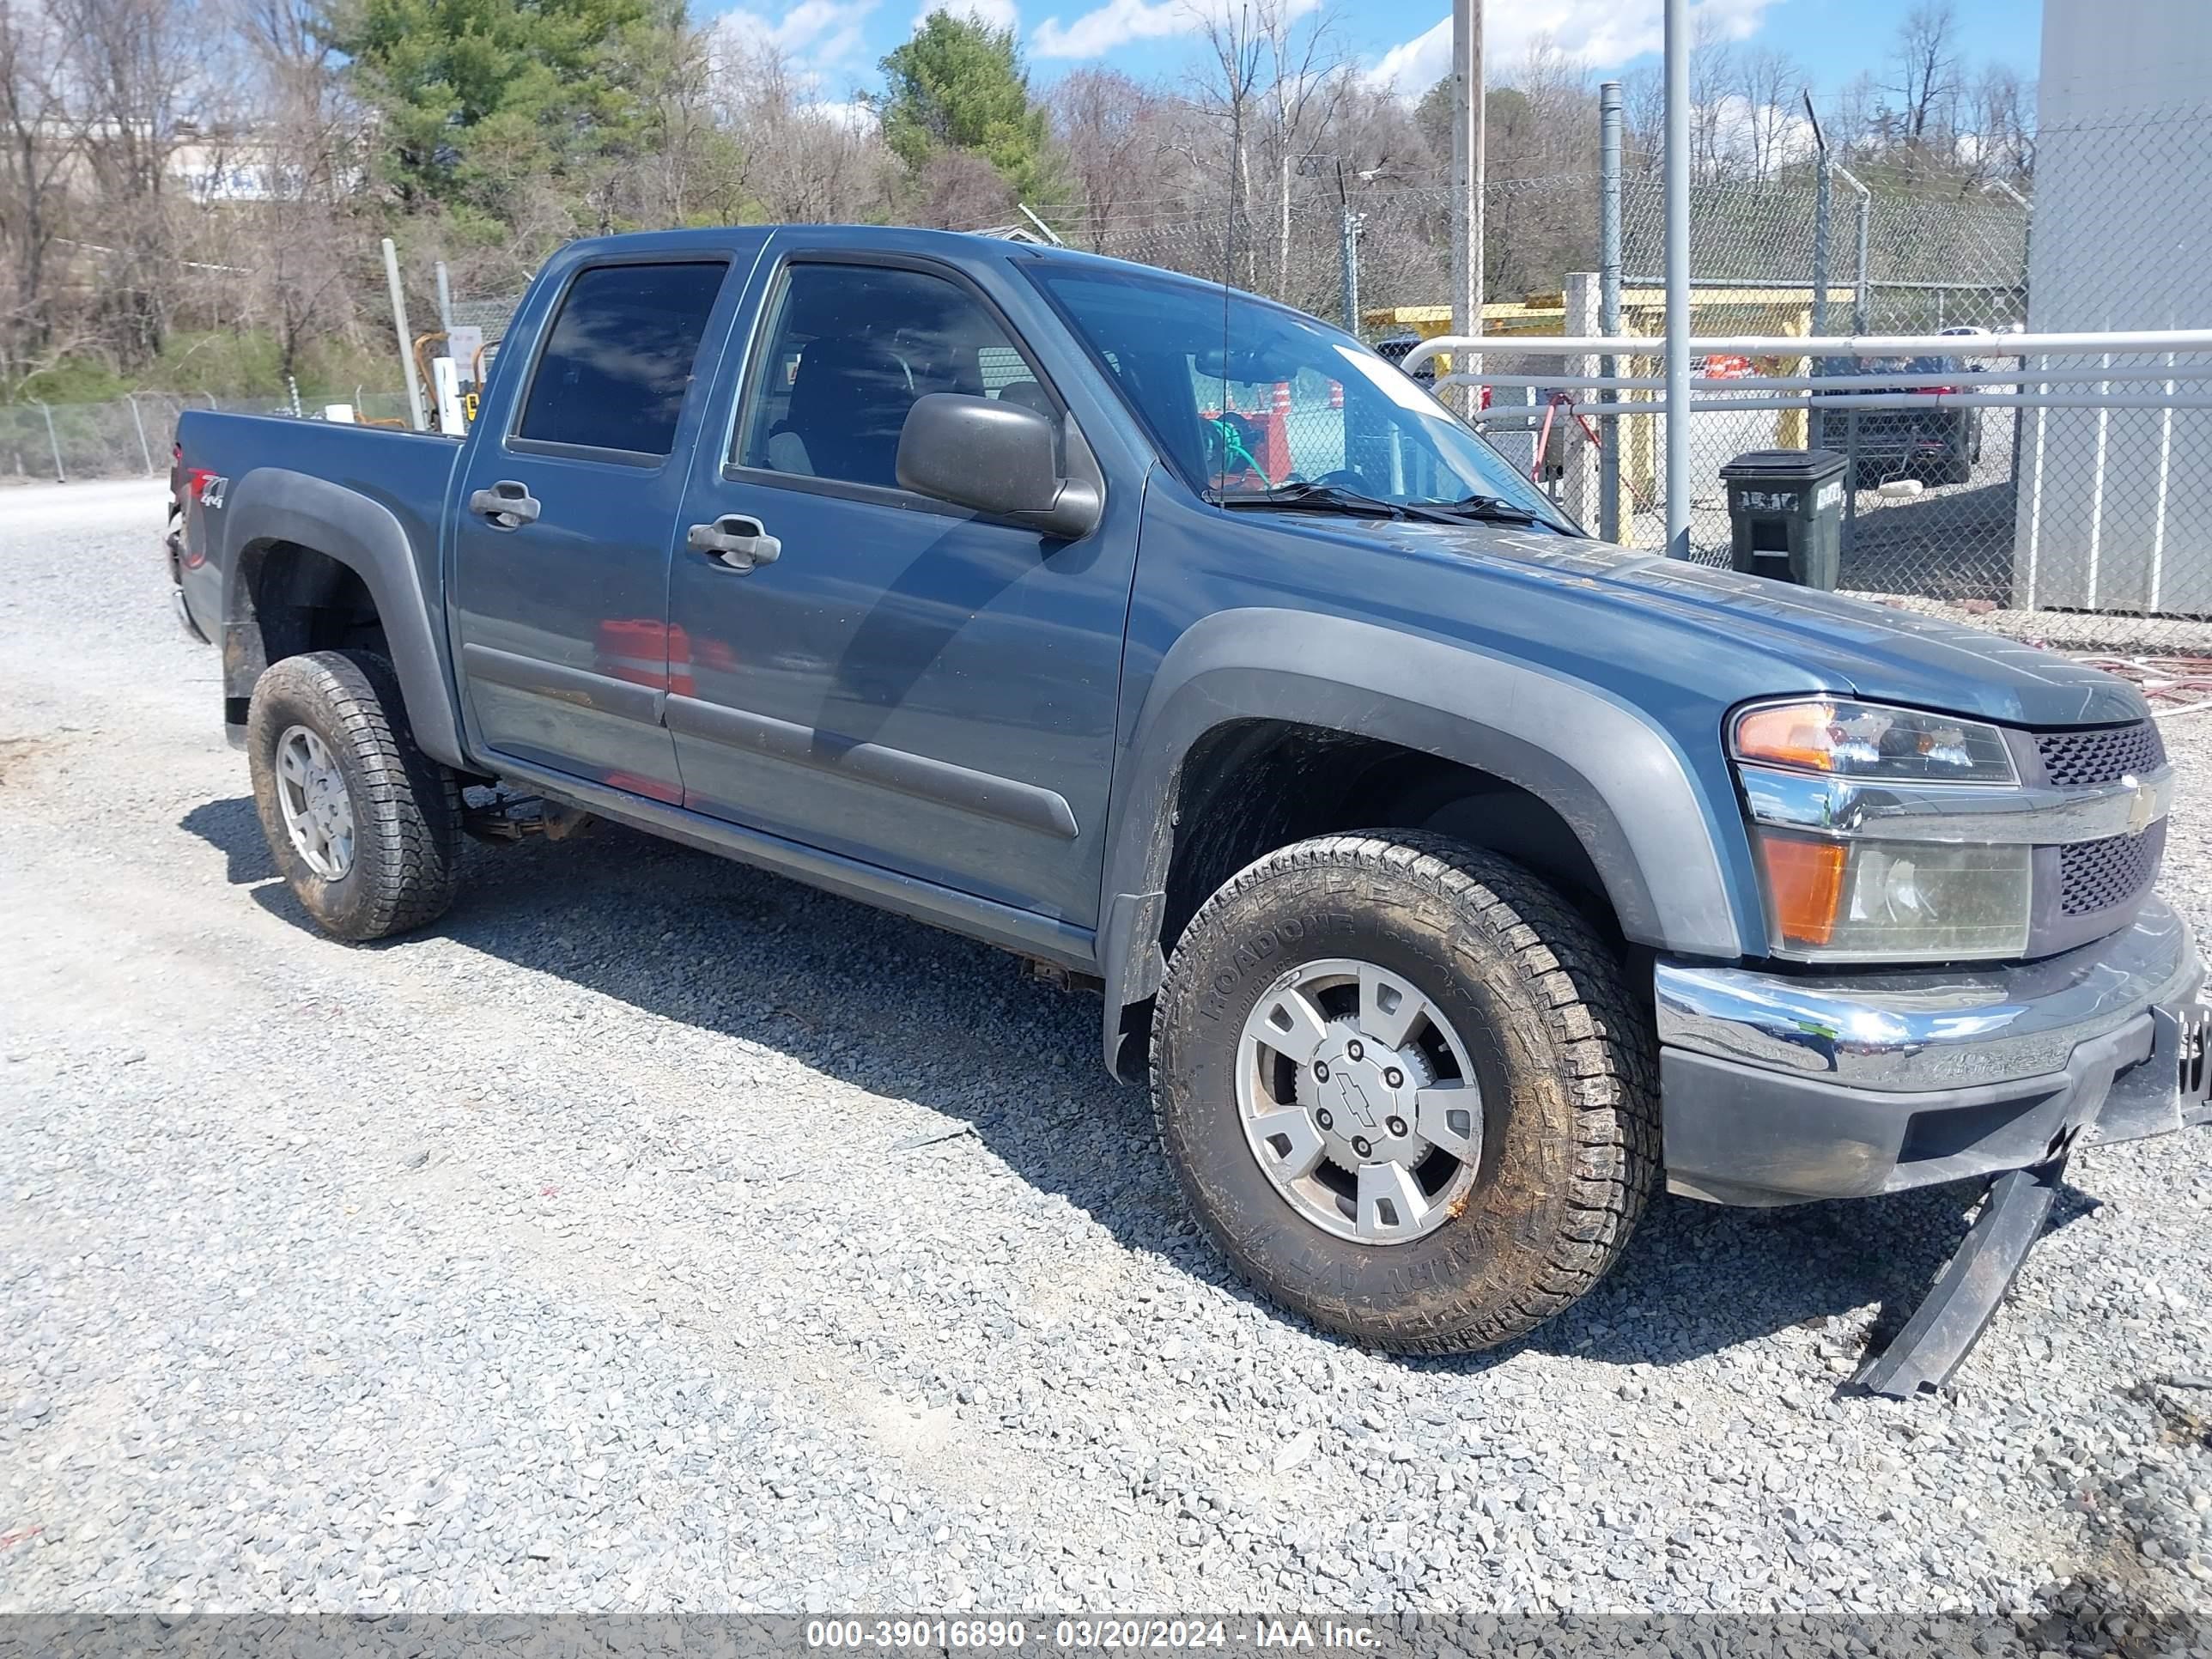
<point x="564" y="524"/>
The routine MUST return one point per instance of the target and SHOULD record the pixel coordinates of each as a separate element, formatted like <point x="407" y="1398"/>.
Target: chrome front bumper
<point x="1779" y="1088"/>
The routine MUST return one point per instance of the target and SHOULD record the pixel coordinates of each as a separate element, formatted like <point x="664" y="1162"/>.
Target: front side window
<point x="850" y="349"/>
<point x="619" y="358"/>
<point x="1250" y="399"/>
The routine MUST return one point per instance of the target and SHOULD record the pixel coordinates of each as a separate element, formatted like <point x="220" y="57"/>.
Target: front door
<point x="906" y="683"/>
<point x="562" y="532"/>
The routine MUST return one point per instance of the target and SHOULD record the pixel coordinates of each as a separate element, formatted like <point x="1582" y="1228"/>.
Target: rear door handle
<point x="507" y="504"/>
<point x="735" y="542"/>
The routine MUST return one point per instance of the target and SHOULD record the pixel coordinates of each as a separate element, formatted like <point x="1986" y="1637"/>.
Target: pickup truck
<point x="1455" y="877"/>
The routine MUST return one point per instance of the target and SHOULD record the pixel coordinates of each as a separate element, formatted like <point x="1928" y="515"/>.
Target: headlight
<point x="1866" y="740"/>
<point x="1894" y="901"/>
<point x="1833" y="898"/>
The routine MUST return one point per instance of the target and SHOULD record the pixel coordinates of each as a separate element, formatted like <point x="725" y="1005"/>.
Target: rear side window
<point x="619" y="358"/>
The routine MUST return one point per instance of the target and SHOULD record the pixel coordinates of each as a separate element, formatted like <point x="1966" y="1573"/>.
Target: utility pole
<point x="1467" y="171"/>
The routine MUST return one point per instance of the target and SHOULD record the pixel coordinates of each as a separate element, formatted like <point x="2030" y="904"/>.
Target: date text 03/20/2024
<point x="988" y="1635"/>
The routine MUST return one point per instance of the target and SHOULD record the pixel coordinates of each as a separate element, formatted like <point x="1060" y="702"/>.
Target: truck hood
<point x="1848" y="645"/>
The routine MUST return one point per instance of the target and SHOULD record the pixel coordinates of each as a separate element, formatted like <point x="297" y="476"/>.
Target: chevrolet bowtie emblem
<point x="2145" y="807"/>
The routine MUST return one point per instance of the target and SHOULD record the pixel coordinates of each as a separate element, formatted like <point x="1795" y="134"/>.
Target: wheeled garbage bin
<point x="1786" y="513"/>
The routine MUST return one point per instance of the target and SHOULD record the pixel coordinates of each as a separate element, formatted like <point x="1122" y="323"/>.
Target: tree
<point x="33" y="155"/>
<point x="799" y="161"/>
<point x="1770" y="82"/>
<point x="137" y="68"/>
<point x="1111" y="133"/>
<point x="479" y="97"/>
<point x="958" y="84"/>
<point x="1925" y="62"/>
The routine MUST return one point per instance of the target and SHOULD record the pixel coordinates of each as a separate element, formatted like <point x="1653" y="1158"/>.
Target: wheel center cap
<point x="1352" y="1094"/>
<point x="1363" y="1095"/>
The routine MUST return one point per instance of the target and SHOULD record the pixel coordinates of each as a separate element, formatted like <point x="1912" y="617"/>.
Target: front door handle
<point x="507" y="504"/>
<point x="736" y="543"/>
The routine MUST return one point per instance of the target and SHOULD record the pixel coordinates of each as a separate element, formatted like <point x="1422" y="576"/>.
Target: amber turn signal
<point x="1788" y="734"/>
<point x="1804" y="885"/>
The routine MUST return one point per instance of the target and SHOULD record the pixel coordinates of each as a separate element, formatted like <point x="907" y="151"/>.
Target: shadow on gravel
<point x="233" y="829"/>
<point x="908" y="1012"/>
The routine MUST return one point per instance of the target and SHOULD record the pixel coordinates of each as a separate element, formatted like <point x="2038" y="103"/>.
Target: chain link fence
<point x="131" y="437"/>
<point x="2086" y="519"/>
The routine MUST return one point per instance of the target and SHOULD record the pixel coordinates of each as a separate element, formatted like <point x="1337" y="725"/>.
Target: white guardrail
<point x="1836" y="392"/>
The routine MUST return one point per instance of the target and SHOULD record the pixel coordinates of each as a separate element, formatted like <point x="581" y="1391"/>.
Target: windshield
<point x="1246" y="397"/>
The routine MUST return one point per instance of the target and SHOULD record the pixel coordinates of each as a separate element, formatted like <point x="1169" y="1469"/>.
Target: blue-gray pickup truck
<point x="1456" y="877"/>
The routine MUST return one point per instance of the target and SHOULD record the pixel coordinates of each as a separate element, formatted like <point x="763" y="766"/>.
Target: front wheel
<point x="364" y="826"/>
<point x="1405" y="1089"/>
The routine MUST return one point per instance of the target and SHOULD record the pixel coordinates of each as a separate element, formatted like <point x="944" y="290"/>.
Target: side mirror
<point x="995" y="456"/>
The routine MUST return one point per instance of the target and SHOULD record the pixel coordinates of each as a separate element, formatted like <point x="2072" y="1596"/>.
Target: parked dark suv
<point x="1938" y="445"/>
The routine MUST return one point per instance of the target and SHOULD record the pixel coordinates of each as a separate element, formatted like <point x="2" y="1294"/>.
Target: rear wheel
<point x="1405" y="1089"/>
<point x="364" y="826"/>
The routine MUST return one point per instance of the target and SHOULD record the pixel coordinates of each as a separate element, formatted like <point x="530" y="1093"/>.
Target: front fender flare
<point x="1622" y="784"/>
<point x="274" y="504"/>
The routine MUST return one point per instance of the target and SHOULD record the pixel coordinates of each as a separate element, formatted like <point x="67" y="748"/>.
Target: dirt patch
<point x="19" y="755"/>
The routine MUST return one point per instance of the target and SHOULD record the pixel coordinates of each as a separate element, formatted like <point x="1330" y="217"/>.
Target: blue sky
<point x="839" y="40"/>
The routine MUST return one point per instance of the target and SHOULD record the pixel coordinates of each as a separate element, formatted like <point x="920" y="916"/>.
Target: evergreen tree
<point x="958" y="84"/>
<point x="479" y="97"/>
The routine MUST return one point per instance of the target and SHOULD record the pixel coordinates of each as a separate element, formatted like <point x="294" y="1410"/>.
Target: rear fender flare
<point x="274" y="504"/>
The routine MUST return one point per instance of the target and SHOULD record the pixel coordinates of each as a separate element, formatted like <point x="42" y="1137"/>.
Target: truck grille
<point x="2095" y="875"/>
<point x="2093" y="755"/>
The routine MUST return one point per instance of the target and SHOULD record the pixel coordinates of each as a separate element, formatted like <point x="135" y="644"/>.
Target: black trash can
<point x="1786" y="513"/>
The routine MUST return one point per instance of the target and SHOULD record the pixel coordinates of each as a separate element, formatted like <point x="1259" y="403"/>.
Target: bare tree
<point x="1712" y="76"/>
<point x="2003" y="120"/>
<point x="1924" y="62"/>
<point x="1769" y="82"/>
<point x="1113" y="133"/>
<point x="37" y="149"/>
<point x="801" y="160"/>
<point x="1272" y="82"/>
<point x="136" y="69"/>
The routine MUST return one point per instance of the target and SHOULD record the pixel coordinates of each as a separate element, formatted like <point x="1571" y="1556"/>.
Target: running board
<point x="1958" y="1308"/>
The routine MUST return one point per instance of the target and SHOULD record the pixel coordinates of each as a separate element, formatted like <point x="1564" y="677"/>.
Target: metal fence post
<point x="1348" y="235"/>
<point x="145" y="454"/>
<point x="1608" y="301"/>
<point x="1823" y="207"/>
<point x="445" y="299"/>
<point x="54" y="444"/>
<point x="1859" y="324"/>
<point x="416" y="416"/>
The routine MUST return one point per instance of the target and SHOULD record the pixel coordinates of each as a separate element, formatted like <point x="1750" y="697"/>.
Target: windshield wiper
<point x="1486" y="510"/>
<point x="1312" y="497"/>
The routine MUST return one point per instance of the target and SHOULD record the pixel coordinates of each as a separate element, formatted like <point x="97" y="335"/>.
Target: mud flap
<point x="1958" y="1308"/>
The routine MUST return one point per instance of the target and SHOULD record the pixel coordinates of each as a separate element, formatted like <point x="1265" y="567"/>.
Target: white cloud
<point x="1116" y="23"/>
<point x="1603" y="33"/>
<point x="1119" y="22"/>
<point x="854" y="114"/>
<point x="991" y="14"/>
<point x="818" y="37"/>
<point x="1741" y="129"/>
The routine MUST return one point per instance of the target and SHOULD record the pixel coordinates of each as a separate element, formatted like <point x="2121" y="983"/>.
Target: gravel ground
<point x="660" y="1234"/>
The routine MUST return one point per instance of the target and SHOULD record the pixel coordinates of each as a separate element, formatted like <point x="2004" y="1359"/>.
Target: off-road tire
<point x="1564" y="1054"/>
<point x="406" y="806"/>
